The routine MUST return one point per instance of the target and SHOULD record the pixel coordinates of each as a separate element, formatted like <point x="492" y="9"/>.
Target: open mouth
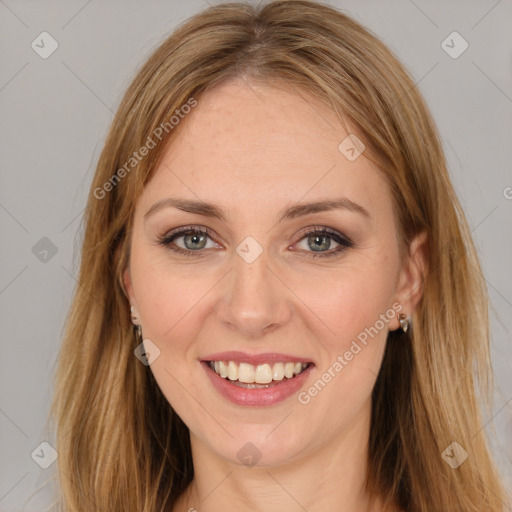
<point x="260" y="376"/>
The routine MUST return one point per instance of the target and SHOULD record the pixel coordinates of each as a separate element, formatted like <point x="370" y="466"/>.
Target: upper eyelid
<point x="182" y="231"/>
<point x="324" y="230"/>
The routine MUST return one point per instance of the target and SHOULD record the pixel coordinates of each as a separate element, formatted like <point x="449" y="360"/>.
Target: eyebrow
<point x="292" y="212"/>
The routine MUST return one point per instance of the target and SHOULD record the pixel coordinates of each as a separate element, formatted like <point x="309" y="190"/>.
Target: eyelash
<point x="167" y="239"/>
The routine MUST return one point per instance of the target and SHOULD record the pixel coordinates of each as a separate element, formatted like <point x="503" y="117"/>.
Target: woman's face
<point x="260" y="282"/>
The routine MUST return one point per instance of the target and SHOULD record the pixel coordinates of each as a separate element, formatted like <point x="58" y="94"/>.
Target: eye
<point x="194" y="239"/>
<point x="319" y="242"/>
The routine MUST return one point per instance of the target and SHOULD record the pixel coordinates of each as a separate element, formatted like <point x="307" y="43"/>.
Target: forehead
<point x="245" y="143"/>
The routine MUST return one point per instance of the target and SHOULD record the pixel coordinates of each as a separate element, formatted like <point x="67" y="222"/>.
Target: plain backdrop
<point x="54" y="114"/>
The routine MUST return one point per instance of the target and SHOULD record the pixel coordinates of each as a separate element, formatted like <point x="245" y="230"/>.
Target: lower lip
<point x="256" y="397"/>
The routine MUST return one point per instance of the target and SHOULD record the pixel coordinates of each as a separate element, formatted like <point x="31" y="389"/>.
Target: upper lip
<point x="255" y="359"/>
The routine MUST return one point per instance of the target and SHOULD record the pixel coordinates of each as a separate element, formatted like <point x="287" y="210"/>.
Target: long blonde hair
<point x="120" y="444"/>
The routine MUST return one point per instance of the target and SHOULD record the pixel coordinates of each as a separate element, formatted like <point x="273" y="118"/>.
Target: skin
<point x="254" y="150"/>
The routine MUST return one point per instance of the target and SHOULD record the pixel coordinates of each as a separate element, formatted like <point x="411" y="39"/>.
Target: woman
<point x="279" y="304"/>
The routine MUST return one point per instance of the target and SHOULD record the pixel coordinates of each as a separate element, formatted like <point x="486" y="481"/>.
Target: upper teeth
<point x="261" y="374"/>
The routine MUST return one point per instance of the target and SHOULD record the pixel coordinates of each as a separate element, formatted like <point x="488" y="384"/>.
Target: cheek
<point x="168" y="298"/>
<point x="348" y="303"/>
<point x="355" y="306"/>
<point x="171" y="304"/>
<point x="349" y="359"/>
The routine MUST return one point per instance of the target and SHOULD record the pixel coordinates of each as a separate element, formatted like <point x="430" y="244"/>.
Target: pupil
<point x="320" y="237"/>
<point x="196" y="239"/>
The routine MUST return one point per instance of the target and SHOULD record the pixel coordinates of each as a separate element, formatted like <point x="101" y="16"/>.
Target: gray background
<point x="54" y="116"/>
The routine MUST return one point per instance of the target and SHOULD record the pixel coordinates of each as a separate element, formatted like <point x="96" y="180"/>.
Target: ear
<point x="412" y="274"/>
<point x="127" y="281"/>
<point x="128" y="286"/>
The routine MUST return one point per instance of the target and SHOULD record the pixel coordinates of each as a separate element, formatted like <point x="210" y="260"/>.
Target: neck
<point x="331" y="477"/>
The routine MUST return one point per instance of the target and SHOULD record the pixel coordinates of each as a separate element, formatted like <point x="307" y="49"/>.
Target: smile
<point x="257" y="376"/>
<point x="257" y="385"/>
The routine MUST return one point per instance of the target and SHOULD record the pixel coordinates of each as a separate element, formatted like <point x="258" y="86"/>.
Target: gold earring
<point x="404" y="323"/>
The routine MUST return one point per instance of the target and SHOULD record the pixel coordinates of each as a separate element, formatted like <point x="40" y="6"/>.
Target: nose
<point x="254" y="300"/>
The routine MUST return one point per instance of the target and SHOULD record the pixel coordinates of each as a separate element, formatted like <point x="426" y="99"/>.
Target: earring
<point x="137" y="327"/>
<point x="138" y="334"/>
<point x="404" y="322"/>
